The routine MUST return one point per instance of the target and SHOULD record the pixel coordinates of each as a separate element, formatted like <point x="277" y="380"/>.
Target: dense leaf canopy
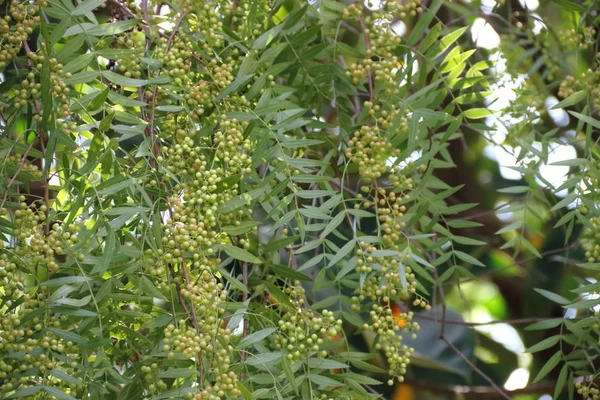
<point x="299" y="199"/>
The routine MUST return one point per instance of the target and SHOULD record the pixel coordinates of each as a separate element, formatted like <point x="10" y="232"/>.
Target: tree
<point x="219" y="200"/>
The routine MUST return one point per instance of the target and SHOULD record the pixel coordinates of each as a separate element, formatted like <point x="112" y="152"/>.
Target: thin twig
<point x="41" y="136"/>
<point x="442" y="302"/>
<point x="493" y="384"/>
<point x="370" y="71"/>
<point x="244" y="298"/>
<point x="174" y="32"/>
<point x="370" y="389"/>
<point x="14" y="177"/>
<point x="337" y="185"/>
<point x="150" y="129"/>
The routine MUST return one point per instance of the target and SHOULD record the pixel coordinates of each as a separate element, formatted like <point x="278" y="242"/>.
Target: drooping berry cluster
<point x="588" y="80"/>
<point x="590" y="241"/>
<point x="588" y="390"/>
<point x="32" y="336"/>
<point x="302" y="332"/>
<point x="16" y="27"/>
<point x="177" y="60"/>
<point x="580" y="39"/>
<point x="129" y="64"/>
<point x="207" y="20"/>
<point x="387" y="280"/>
<point x="31" y="87"/>
<point x="370" y="149"/>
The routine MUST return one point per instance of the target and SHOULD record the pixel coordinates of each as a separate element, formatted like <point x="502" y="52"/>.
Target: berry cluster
<point x="588" y="80"/>
<point x="401" y="8"/>
<point x="16" y="27"/>
<point x="301" y="331"/>
<point x="31" y="89"/>
<point x="578" y="39"/>
<point x="24" y="330"/>
<point x="590" y="241"/>
<point x="370" y="149"/>
<point x="228" y="142"/>
<point x="387" y="279"/>
<point x="150" y="375"/>
<point x="129" y="65"/>
<point x="195" y="167"/>
<point x="588" y="391"/>
<point x="384" y="285"/>
<point x="207" y="20"/>
<point x="25" y="170"/>
<point x="211" y="348"/>
<point x="177" y="60"/>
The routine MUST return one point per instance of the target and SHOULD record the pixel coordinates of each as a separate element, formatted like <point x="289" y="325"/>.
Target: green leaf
<point x="431" y="37"/>
<point x="584" y="304"/>
<point x="82" y="77"/>
<point x="241" y="228"/>
<point x="67" y="280"/>
<point x="241" y="200"/>
<point x="58" y="393"/>
<point x="590" y="266"/>
<point x="113" y="28"/>
<point x="70" y="336"/>
<point x="86" y="6"/>
<point x="109" y="188"/>
<point x="324" y="381"/>
<point x="468" y="241"/>
<point x="333" y="224"/>
<point x="287" y="272"/>
<point x="348" y="51"/>
<point x="544" y="344"/>
<point x="549" y="366"/>
<point x="176" y="393"/>
<point x="573" y="99"/>
<point x="170" y="108"/>
<point x="74" y="302"/>
<point x="262" y="41"/>
<point x="477" y="113"/>
<point x="240" y="254"/>
<point x="561" y="380"/>
<point x="365" y="366"/>
<point x="255" y="337"/>
<point x="452" y="37"/>
<point x="569" y="5"/>
<point x="122" y="80"/>
<point x="79" y="63"/>
<point x="473" y="97"/>
<point x="234" y="282"/>
<point x="25" y="392"/>
<point x="552" y="296"/>
<point x="125" y="101"/>
<point x="344" y="251"/>
<point x="423" y="22"/>
<point x="468" y="258"/>
<point x="174" y="373"/>
<point x="322" y="363"/>
<point x="543" y="325"/>
<point x="588" y="120"/>
<point x="262" y="360"/>
<point x="515" y="189"/>
<point x="244" y="390"/>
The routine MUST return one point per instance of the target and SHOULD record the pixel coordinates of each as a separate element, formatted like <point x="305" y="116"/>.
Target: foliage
<point x="217" y="199"/>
